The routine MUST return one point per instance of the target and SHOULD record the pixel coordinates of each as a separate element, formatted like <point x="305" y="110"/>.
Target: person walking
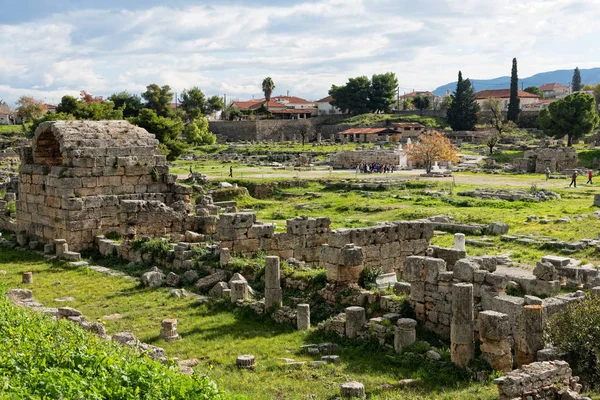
<point x="590" y="176"/>
<point x="547" y="174"/>
<point x="231" y="172"/>
<point x="573" y="179"/>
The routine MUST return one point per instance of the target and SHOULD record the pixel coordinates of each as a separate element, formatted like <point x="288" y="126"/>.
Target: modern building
<point x="325" y="107"/>
<point x="503" y="95"/>
<point x="555" y="90"/>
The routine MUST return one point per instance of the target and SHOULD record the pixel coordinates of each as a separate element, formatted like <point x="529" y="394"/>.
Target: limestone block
<point x="239" y="291"/>
<point x="152" y="278"/>
<point x="218" y="290"/>
<point x="351" y="256"/>
<point x="173" y="279"/>
<point x="461" y="328"/>
<point x="303" y="317"/>
<point x="464" y="270"/>
<point x="355" y="319"/>
<point x="402" y="288"/>
<point x="224" y="256"/>
<point x="459" y="241"/>
<point x="209" y="281"/>
<point x="237" y="220"/>
<point x="404" y="333"/>
<point x="493" y="325"/>
<point x="352" y="390"/>
<point x="545" y="271"/>
<point x="261" y="231"/>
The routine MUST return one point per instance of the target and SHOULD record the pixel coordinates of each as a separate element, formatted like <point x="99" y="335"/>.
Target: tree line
<point x="151" y="110"/>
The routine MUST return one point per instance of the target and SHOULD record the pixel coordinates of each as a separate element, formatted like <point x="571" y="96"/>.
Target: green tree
<point x="267" y="87"/>
<point x="576" y="80"/>
<point x="130" y="103"/>
<point x="197" y="133"/>
<point x="574" y="116"/>
<point x="166" y="130"/>
<point x="514" y="104"/>
<point x="383" y="92"/>
<point x="421" y="102"/>
<point x="29" y="108"/>
<point x="57" y="116"/>
<point x="193" y="103"/>
<point x="158" y="99"/>
<point x="534" y="90"/>
<point x="98" y="111"/>
<point x="463" y="109"/>
<point x="353" y="97"/>
<point x="68" y="105"/>
<point x="214" y="103"/>
<point x="492" y="113"/>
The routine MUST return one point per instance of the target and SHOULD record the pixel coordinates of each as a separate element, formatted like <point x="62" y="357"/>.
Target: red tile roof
<point x="272" y="104"/>
<point x="408" y="125"/>
<point x="325" y="100"/>
<point x="503" y="94"/>
<point x="245" y="105"/>
<point x="294" y="111"/>
<point x="546" y="87"/>
<point x="365" y="131"/>
<point x="291" y="99"/>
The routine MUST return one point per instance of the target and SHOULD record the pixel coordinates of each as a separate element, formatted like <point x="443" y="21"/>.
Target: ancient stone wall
<point x="556" y="159"/>
<point x="350" y="159"/>
<point x="262" y="130"/>
<point x="540" y="380"/>
<point x="74" y="179"/>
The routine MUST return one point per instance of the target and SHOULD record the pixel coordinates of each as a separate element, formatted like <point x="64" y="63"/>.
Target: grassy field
<point x="216" y="334"/>
<point x="369" y="119"/>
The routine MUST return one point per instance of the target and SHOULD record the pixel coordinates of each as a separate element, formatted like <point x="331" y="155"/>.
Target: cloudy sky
<point x="51" y="48"/>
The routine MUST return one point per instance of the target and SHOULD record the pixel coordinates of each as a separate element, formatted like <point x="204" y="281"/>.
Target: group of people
<point x="574" y="177"/>
<point x="375" y="168"/>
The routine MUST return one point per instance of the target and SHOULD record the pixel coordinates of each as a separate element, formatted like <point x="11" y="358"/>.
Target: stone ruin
<point x="80" y="179"/>
<point x="351" y="158"/>
<point x="557" y="159"/>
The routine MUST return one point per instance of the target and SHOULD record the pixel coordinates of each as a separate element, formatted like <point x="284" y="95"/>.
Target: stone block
<point x="464" y="270"/>
<point x="493" y="326"/>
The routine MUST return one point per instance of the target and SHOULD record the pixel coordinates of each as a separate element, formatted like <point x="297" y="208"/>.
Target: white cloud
<point x="304" y="46"/>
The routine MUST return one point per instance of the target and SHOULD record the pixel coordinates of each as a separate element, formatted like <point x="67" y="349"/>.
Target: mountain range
<point x="591" y="76"/>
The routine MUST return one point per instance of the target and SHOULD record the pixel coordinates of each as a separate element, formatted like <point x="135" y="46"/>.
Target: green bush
<point x="577" y="332"/>
<point x="368" y="276"/>
<point x="11" y="207"/>
<point x="41" y="358"/>
<point x="157" y="248"/>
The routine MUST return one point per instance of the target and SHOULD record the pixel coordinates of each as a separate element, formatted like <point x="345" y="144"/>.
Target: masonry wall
<point x="384" y="246"/>
<point x="75" y="178"/>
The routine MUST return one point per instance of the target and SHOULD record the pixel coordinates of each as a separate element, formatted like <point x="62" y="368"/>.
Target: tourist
<point x="590" y="176"/>
<point x="547" y="174"/>
<point x="231" y="172"/>
<point x="573" y="179"/>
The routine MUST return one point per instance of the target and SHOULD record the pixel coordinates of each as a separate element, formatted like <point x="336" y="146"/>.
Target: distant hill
<point x="591" y="76"/>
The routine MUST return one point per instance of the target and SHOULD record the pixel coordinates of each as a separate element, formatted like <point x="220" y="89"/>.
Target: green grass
<point x="507" y="156"/>
<point x="11" y="130"/>
<point x="217" y="334"/>
<point x="369" y="119"/>
<point x="42" y="358"/>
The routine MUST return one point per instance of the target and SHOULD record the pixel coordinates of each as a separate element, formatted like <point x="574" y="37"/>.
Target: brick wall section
<point x="72" y="182"/>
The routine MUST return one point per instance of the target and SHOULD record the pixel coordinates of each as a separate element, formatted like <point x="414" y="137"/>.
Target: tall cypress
<point x="514" y="103"/>
<point x="576" y="81"/>
<point x="462" y="113"/>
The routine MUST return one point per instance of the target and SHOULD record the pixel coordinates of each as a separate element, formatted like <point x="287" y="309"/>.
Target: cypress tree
<point x="462" y="113"/>
<point x="576" y="81"/>
<point x="514" y="102"/>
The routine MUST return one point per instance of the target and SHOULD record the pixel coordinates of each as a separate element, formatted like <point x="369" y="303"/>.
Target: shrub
<point x="368" y="276"/>
<point x="41" y="358"/>
<point x="157" y="248"/>
<point x="11" y="207"/>
<point x="577" y="332"/>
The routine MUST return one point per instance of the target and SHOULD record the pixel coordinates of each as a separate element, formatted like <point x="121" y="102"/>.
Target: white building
<point x="526" y="98"/>
<point x="324" y="107"/>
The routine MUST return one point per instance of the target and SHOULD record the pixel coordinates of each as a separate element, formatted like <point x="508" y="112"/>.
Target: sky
<point x="52" y="48"/>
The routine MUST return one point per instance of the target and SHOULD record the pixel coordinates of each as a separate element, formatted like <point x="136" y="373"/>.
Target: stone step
<point x="78" y="264"/>
<point x="71" y="256"/>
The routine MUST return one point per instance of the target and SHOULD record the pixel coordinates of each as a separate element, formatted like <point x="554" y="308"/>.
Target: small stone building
<point x="556" y="159"/>
<point x="80" y="179"/>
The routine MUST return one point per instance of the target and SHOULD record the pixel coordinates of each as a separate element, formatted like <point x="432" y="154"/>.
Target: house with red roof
<point x="324" y="107"/>
<point x="555" y="90"/>
<point x="526" y="98"/>
<point x="281" y="107"/>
